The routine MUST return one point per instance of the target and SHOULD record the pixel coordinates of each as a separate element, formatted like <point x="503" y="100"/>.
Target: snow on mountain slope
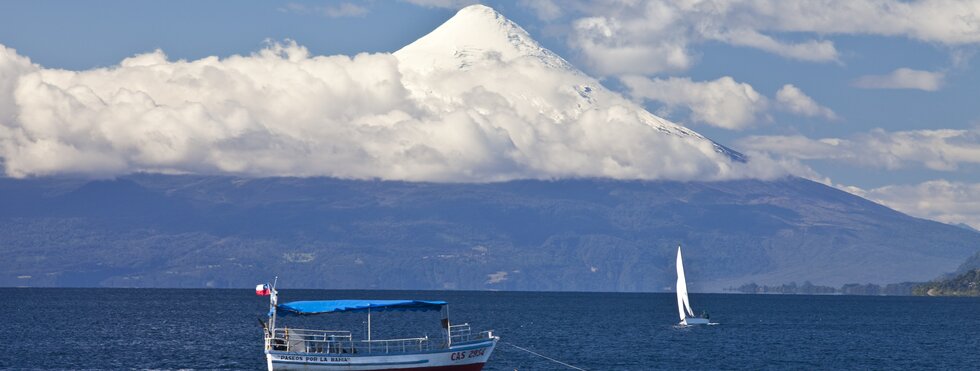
<point x="484" y="49"/>
<point x="476" y="35"/>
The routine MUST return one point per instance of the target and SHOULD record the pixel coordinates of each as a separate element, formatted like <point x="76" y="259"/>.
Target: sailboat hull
<point x="694" y="321"/>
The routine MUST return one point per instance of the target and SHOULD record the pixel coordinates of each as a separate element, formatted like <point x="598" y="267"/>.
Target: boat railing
<point x="341" y="342"/>
<point x="310" y="341"/>
<point x="463" y="334"/>
<point x="396" y="345"/>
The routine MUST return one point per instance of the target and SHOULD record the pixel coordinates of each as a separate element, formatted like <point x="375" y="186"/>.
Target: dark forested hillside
<point x="965" y="284"/>
<point x="198" y="231"/>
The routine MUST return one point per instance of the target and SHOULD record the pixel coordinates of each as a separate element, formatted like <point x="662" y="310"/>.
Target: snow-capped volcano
<point x="479" y="42"/>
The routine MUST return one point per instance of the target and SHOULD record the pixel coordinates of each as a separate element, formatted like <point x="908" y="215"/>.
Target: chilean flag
<point x="263" y="290"/>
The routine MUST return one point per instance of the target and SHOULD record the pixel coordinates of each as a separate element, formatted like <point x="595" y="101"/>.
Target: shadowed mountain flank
<point x="197" y="231"/>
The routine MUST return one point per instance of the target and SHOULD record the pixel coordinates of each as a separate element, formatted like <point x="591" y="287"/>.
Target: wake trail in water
<point x="544" y="356"/>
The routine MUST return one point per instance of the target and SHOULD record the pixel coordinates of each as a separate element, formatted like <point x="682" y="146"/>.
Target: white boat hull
<point x="694" y="321"/>
<point x="467" y="357"/>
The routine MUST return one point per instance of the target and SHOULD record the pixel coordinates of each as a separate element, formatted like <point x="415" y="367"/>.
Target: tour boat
<point x="303" y="349"/>
<point x="683" y="304"/>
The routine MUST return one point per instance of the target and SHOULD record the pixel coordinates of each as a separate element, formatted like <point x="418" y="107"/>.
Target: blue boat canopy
<point x="305" y="308"/>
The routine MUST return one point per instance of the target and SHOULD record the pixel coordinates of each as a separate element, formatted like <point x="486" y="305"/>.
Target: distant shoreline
<point x="807" y="288"/>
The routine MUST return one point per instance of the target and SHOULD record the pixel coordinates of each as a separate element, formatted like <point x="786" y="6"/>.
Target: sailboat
<point x="683" y="304"/>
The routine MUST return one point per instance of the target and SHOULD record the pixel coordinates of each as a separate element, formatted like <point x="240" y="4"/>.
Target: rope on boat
<point x="544" y="356"/>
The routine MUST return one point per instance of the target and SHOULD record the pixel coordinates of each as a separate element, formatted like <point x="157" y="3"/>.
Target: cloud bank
<point x="284" y="112"/>
<point x="647" y="37"/>
<point x="942" y="200"/>
<point x="724" y="102"/>
<point x="942" y="150"/>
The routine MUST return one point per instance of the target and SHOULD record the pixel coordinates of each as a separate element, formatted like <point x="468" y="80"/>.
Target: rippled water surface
<point x="217" y="329"/>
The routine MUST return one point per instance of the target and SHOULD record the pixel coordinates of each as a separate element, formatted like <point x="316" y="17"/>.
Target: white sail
<point x="683" y="305"/>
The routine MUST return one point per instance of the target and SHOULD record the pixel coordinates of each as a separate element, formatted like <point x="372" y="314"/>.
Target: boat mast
<point x="273" y="300"/>
<point x="369" y="325"/>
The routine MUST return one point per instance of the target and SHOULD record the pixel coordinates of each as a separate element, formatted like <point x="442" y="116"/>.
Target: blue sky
<point x="886" y="92"/>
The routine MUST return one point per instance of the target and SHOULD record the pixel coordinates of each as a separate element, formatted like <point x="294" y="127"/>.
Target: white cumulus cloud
<point x="943" y="150"/>
<point x="647" y="37"/>
<point x="723" y="102"/>
<point x="792" y="99"/>
<point x="903" y="78"/>
<point x="941" y="200"/>
<point x="810" y="50"/>
<point x="610" y="48"/>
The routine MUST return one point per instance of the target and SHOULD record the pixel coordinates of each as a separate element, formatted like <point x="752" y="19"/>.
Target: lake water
<point x="217" y="329"/>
